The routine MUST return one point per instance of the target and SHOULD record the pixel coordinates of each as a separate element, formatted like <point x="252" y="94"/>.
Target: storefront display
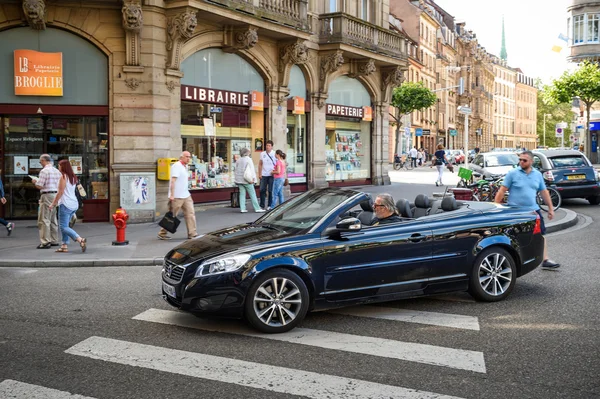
<point x="296" y="141"/>
<point x="81" y="140"/>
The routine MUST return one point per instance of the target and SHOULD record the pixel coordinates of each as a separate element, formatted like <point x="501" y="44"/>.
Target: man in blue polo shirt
<point x="524" y="183"/>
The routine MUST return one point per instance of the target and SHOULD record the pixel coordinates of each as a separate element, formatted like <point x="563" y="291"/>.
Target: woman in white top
<point x="245" y="177"/>
<point x="68" y="205"/>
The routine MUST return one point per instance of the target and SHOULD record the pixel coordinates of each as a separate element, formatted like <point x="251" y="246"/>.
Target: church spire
<point x="503" y="49"/>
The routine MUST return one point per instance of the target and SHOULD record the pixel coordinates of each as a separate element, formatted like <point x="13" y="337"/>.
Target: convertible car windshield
<point x="305" y="211"/>
<point x="501" y="160"/>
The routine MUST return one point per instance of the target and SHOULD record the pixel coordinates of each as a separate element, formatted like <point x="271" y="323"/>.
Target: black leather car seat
<point x="404" y="208"/>
<point x="436" y="207"/>
<point x="366" y="216"/>
<point x="421" y="206"/>
<point x="449" y="204"/>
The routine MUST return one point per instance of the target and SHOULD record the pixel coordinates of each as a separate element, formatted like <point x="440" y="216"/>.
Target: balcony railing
<point x="343" y="28"/>
<point x="286" y="12"/>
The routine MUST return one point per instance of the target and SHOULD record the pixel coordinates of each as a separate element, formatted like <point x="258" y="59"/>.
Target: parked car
<point x="570" y="172"/>
<point x="494" y="164"/>
<point x="319" y="251"/>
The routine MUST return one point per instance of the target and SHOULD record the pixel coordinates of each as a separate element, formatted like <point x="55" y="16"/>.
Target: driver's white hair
<point x="387" y="201"/>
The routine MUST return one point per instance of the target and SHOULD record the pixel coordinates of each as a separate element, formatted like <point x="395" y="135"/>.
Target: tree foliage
<point x="556" y="113"/>
<point x="407" y="98"/>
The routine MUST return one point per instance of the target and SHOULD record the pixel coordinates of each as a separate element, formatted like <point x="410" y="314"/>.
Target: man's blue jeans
<point x="277" y="192"/>
<point x="64" y="216"/>
<point x="266" y="187"/>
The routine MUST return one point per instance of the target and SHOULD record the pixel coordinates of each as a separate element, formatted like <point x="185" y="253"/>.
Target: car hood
<point x="499" y="170"/>
<point x="244" y="237"/>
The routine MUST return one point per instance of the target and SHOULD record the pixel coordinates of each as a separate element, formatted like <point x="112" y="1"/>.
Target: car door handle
<point x="417" y="237"/>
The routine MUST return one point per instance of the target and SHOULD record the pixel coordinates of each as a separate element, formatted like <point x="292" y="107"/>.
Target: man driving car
<point x="385" y="210"/>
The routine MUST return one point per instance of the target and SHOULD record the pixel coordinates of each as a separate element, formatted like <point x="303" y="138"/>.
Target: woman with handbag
<point x="439" y="159"/>
<point x="279" y="179"/>
<point x="245" y="177"/>
<point x="67" y="203"/>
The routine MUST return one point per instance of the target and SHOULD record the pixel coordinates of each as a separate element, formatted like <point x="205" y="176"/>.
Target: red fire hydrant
<point x="120" y="218"/>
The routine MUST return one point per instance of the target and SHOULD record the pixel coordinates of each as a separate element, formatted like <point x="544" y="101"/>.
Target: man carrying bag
<point x="179" y="199"/>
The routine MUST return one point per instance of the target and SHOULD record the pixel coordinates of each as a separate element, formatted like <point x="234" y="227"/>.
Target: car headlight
<point x="224" y="264"/>
<point x="596" y="175"/>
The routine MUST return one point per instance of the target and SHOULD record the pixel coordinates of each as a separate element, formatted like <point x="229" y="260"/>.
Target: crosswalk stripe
<point x="420" y="353"/>
<point x="239" y="372"/>
<point x="21" y="390"/>
<point x="412" y="316"/>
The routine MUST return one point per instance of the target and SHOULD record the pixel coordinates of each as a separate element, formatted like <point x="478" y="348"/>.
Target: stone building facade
<point x="526" y="113"/>
<point x="207" y="76"/>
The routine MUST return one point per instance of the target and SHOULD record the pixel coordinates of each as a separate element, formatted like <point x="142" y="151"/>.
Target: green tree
<point x="584" y="83"/>
<point x="555" y="113"/>
<point x="407" y="98"/>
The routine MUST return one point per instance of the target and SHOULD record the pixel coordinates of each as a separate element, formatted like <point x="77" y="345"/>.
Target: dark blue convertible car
<point x="318" y="251"/>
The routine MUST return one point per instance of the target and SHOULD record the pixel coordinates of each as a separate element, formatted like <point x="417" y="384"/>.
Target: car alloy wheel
<point x="277" y="301"/>
<point x="493" y="276"/>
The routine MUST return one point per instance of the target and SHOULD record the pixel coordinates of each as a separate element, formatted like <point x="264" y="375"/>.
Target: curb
<point x="158" y="261"/>
<point x="568" y="221"/>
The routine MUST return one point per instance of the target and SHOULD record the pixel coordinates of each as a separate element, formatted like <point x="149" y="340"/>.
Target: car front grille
<point x="173" y="272"/>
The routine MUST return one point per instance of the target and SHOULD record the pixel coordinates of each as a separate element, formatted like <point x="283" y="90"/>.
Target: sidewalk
<point x="19" y="250"/>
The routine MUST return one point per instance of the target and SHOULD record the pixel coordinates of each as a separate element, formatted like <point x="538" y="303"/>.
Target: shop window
<point x="347" y="149"/>
<point x="81" y="140"/>
<point x="296" y="148"/>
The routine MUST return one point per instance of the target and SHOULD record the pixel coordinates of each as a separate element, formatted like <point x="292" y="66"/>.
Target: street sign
<point x="562" y="125"/>
<point x="453" y="132"/>
<point x="594" y="125"/>
<point x="559" y="132"/>
<point x="426" y="132"/>
<point x="465" y="110"/>
<point x="216" y="110"/>
<point x="571" y="137"/>
<point x="418" y="132"/>
<point x="407" y="131"/>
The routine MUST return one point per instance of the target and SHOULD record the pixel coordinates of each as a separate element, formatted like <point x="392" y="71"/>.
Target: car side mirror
<point x="348" y="225"/>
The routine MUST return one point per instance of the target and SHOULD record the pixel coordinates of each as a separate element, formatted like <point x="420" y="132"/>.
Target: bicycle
<point x="555" y="197"/>
<point x="400" y="162"/>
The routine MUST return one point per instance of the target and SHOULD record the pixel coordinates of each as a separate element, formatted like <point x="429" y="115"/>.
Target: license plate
<point x="575" y="177"/>
<point x="169" y="290"/>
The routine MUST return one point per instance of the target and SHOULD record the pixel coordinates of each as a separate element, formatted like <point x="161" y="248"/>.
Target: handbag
<point x="286" y="182"/>
<point x="169" y="222"/>
<point x="248" y="175"/>
<point x="80" y="194"/>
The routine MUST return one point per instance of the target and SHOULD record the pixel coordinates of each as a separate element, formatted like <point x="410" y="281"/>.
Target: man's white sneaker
<point x="244" y="211"/>
<point x="260" y="210"/>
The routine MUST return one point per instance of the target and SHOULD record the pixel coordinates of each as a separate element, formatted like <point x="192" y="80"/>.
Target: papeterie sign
<point x="364" y="113"/>
<point x="38" y="74"/>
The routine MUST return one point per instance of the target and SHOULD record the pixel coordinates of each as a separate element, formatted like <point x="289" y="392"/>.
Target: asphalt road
<point x="71" y="331"/>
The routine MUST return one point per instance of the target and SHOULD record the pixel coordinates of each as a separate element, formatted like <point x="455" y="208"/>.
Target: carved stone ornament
<point x="132" y="83"/>
<point x="35" y="12"/>
<point x="179" y="28"/>
<point x="330" y="64"/>
<point x="393" y="77"/>
<point x="133" y="19"/>
<point x="293" y="54"/>
<point x="171" y="85"/>
<point x="361" y="68"/>
<point x="246" y="40"/>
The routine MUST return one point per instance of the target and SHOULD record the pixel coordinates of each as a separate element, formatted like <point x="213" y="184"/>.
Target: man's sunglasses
<point x="523" y="160"/>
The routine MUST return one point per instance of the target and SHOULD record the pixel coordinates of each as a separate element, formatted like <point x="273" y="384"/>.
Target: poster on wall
<point x="34" y="163"/>
<point x="21" y="166"/>
<point x="77" y="164"/>
<point x="138" y="191"/>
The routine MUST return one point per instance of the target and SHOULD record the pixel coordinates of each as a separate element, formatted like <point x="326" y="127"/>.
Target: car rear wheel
<point x="276" y="301"/>
<point x="493" y="276"/>
<point x="594" y="200"/>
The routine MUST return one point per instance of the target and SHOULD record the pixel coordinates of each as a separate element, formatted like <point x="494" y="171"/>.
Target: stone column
<point x="380" y="143"/>
<point x="316" y="143"/>
<point x="278" y="116"/>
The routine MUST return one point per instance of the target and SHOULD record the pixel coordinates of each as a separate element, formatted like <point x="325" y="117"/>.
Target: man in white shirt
<point x="413" y="156"/>
<point x="180" y="197"/>
<point x="47" y="183"/>
<point x="266" y="164"/>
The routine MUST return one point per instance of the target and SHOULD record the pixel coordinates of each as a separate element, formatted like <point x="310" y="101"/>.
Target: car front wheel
<point x="594" y="200"/>
<point x="493" y="276"/>
<point x="276" y="301"/>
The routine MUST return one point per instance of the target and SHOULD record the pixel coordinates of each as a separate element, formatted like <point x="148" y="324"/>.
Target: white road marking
<point x="239" y="372"/>
<point x="413" y="352"/>
<point x="412" y="316"/>
<point x="21" y="390"/>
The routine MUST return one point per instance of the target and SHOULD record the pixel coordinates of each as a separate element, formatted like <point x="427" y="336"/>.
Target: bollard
<point x="120" y="218"/>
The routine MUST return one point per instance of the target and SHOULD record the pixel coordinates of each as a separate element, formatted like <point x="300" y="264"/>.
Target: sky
<point x="531" y="26"/>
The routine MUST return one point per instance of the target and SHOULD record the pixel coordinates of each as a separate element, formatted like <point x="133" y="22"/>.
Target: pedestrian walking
<point x="420" y="157"/>
<point x="278" y="179"/>
<point x="9" y="225"/>
<point x="47" y="183"/>
<point x="524" y="182"/>
<point x="245" y="178"/>
<point x="67" y="204"/>
<point x="413" y="153"/>
<point x="180" y="197"/>
<point x="439" y="160"/>
<point x="266" y="164"/>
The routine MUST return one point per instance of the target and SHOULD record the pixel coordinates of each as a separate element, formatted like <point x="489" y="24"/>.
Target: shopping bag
<point x="248" y="175"/>
<point x="169" y="222"/>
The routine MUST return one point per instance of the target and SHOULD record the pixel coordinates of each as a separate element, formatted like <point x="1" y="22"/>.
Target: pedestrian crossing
<point x="208" y="368"/>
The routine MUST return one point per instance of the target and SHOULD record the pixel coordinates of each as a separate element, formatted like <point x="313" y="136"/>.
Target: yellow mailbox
<point x="163" y="170"/>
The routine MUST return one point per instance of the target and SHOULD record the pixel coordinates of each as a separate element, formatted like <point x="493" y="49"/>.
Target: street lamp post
<point x="545" y="115"/>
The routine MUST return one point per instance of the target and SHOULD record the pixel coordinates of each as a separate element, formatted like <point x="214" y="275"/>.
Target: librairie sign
<point x="364" y="113"/>
<point x="38" y="74"/>
<point x="254" y="99"/>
